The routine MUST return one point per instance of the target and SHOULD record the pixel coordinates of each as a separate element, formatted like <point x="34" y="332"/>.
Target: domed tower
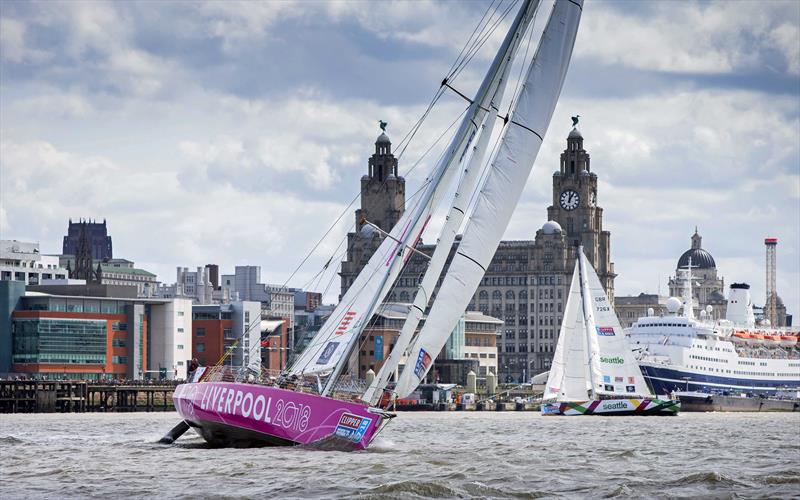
<point x="383" y="192"/>
<point x="576" y="210"/>
<point x="383" y="199"/>
<point x="708" y="288"/>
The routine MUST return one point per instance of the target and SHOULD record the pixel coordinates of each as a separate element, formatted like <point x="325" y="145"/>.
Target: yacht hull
<point x="228" y="414"/>
<point x="609" y="407"/>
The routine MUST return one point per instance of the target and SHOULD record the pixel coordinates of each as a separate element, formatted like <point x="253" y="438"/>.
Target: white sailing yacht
<point x="594" y="371"/>
<point x="309" y="403"/>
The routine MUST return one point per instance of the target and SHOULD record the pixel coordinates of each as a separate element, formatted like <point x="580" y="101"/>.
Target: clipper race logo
<point x="327" y="353"/>
<point x="605" y="331"/>
<point x="352" y="427"/>
<point x="423" y="362"/>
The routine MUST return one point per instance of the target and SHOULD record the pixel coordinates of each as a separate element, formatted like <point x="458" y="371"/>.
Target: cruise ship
<point x="679" y="352"/>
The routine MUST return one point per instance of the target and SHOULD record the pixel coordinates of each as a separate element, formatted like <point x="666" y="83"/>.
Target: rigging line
<point x="477" y="39"/>
<point x="433" y="145"/>
<point x="477" y="33"/>
<point x="484" y="39"/>
<point x="467" y="42"/>
<point x="522" y="67"/>
<point x="414" y="166"/>
<point x="310" y="252"/>
<point x="318" y="344"/>
<point x="401" y="147"/>
<point x="406" y="140"/>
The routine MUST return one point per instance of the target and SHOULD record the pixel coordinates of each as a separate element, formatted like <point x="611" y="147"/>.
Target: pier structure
<point x="65" y="396"/>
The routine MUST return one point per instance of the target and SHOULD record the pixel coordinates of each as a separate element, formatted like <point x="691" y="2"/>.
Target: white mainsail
<point x="615" y="370"/>
<point x="568" y="379"/>
<point x="466" y="186"/>
<point x="501" y="191"/>
<point x="333" y="343"/>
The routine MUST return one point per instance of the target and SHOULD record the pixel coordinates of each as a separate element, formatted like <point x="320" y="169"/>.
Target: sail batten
<point x="501" y="191"/>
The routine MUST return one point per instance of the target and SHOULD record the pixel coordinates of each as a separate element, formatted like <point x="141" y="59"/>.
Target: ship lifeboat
<point x="788" y="340"/>
<point x="772" y="340"/>
<point x="740" y="337"/>
<point x="756" y="339"/>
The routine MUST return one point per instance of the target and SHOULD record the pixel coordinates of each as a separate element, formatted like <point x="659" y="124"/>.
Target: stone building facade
<point x="527" y="282"/>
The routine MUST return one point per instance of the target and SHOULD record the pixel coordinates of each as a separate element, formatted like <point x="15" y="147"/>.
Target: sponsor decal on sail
<point x="606" y="379"/>
<point x="605" y="331"/>
<point x="631" y="380"/>
<point x="352" y="427"/>
<point x="609" y="388"/>
<point x="345" y="323"/>
<point x="619" y="379"/>
<point x="423" y="362"/>
<point x="630" y="388"/>
<point x="612" y="360"/>
<point x="327" y="353"/>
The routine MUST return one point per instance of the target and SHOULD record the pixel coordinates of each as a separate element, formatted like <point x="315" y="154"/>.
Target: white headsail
<point x="569" y="373"/>
<point x="501" y="191"/>
<point x="614" y="369"/>
<point x="466" y="186"/>
<point x="327" y="352"/>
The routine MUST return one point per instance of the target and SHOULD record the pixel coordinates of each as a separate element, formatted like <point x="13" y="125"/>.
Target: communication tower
<point x="771" y="304"/>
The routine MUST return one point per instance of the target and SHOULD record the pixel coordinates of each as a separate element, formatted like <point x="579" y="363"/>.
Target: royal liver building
<point x="527" y="282"/>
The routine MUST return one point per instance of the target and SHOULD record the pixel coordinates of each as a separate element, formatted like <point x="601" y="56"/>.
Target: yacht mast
<point x="588" y="328"/>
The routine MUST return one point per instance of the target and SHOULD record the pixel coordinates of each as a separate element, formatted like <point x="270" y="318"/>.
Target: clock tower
<point x="576" y="209"/>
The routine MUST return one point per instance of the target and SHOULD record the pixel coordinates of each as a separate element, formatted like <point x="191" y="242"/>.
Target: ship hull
<point x="701" y="402"/>
<point x="666" y="380"/>
<point x="612" y="407"/>
<point x="228" y="414"/>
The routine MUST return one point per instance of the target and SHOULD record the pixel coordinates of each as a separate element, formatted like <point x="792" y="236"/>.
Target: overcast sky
<point x="235" y="133"/>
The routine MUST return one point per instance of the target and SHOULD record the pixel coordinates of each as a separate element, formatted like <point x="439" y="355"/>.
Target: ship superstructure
<point x="678" y="352"/>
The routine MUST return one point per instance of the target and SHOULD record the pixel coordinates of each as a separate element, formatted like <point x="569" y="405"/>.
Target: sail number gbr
<point x="601" y="304"/>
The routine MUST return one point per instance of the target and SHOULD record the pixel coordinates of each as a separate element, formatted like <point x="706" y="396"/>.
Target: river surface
<point x="457" y="454"/>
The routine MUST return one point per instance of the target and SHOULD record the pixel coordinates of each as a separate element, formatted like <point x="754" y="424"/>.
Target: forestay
<point x="512" y="164"/>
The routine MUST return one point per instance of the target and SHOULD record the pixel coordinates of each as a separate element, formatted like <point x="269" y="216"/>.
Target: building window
<point x="180" y="347"/>
<point x="200" y="332"/>
<point x="180" y="313"/>
<point x="119" y="343"/>
<point x="119" y="360"/>
<point x="200" y="347"/>
<point x="180" y="330"/>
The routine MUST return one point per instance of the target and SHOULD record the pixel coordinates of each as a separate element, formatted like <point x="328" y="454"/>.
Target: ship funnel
<point x="740" y="306"/>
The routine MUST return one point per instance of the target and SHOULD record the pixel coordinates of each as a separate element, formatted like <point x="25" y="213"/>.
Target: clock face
<point x="570" y="200"/>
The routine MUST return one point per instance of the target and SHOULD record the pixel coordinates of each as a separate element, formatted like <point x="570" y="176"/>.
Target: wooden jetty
<point x="65" y="396"/>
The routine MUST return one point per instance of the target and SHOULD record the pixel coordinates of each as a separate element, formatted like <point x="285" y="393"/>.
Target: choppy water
<point x="520" y="455"/>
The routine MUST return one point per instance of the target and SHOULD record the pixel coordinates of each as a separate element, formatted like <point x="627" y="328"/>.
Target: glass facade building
<point x="60" y="341"/>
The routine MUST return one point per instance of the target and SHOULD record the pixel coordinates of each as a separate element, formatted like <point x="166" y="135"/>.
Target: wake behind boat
<point x="313" y="402"/>
<point x="594" y="371"/>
